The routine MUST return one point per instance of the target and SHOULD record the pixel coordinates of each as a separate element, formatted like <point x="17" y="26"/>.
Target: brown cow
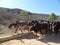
<point x="18" y="25"/>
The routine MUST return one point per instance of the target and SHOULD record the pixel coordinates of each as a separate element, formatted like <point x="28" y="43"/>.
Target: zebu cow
<point x="40" y="27"/>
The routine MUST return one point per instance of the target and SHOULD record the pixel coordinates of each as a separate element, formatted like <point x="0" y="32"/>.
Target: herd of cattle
<point x="38" y="26"/>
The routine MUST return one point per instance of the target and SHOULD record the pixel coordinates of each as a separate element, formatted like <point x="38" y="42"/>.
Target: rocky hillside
<point x="8" y="16"/>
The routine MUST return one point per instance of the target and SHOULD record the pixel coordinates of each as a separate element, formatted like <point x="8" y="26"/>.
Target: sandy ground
<point x="30" y="39"/>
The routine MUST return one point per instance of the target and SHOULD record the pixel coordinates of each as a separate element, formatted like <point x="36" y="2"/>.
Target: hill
<point x="8" y="16"/>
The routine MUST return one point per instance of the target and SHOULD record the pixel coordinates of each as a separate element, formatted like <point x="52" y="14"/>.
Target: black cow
<point x="56" y="27"/>
<point x="41" y="27"/>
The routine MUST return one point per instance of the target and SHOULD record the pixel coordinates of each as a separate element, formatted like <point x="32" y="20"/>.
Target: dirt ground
<point x="30" y="39"/>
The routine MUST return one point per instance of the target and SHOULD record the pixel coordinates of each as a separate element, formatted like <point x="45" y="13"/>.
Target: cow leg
<point x="43" y="32"/>
<point x="56" y="32"/>
<point x="21" y="30"/>
<point x="16" y="29"/>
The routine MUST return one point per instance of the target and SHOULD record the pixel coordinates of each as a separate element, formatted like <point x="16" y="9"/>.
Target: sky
<point x="34" y="6"/>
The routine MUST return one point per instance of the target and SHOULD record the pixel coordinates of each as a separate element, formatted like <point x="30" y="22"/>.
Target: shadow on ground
<point x="50" y="38"/>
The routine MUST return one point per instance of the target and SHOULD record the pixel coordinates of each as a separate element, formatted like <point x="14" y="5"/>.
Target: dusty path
<point x="30" y="39"/>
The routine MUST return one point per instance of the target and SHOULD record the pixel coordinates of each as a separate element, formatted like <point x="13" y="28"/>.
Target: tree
<point x="52" y="17"/>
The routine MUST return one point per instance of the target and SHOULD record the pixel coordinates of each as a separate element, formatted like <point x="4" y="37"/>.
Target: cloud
<point x="6" y="3"/>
